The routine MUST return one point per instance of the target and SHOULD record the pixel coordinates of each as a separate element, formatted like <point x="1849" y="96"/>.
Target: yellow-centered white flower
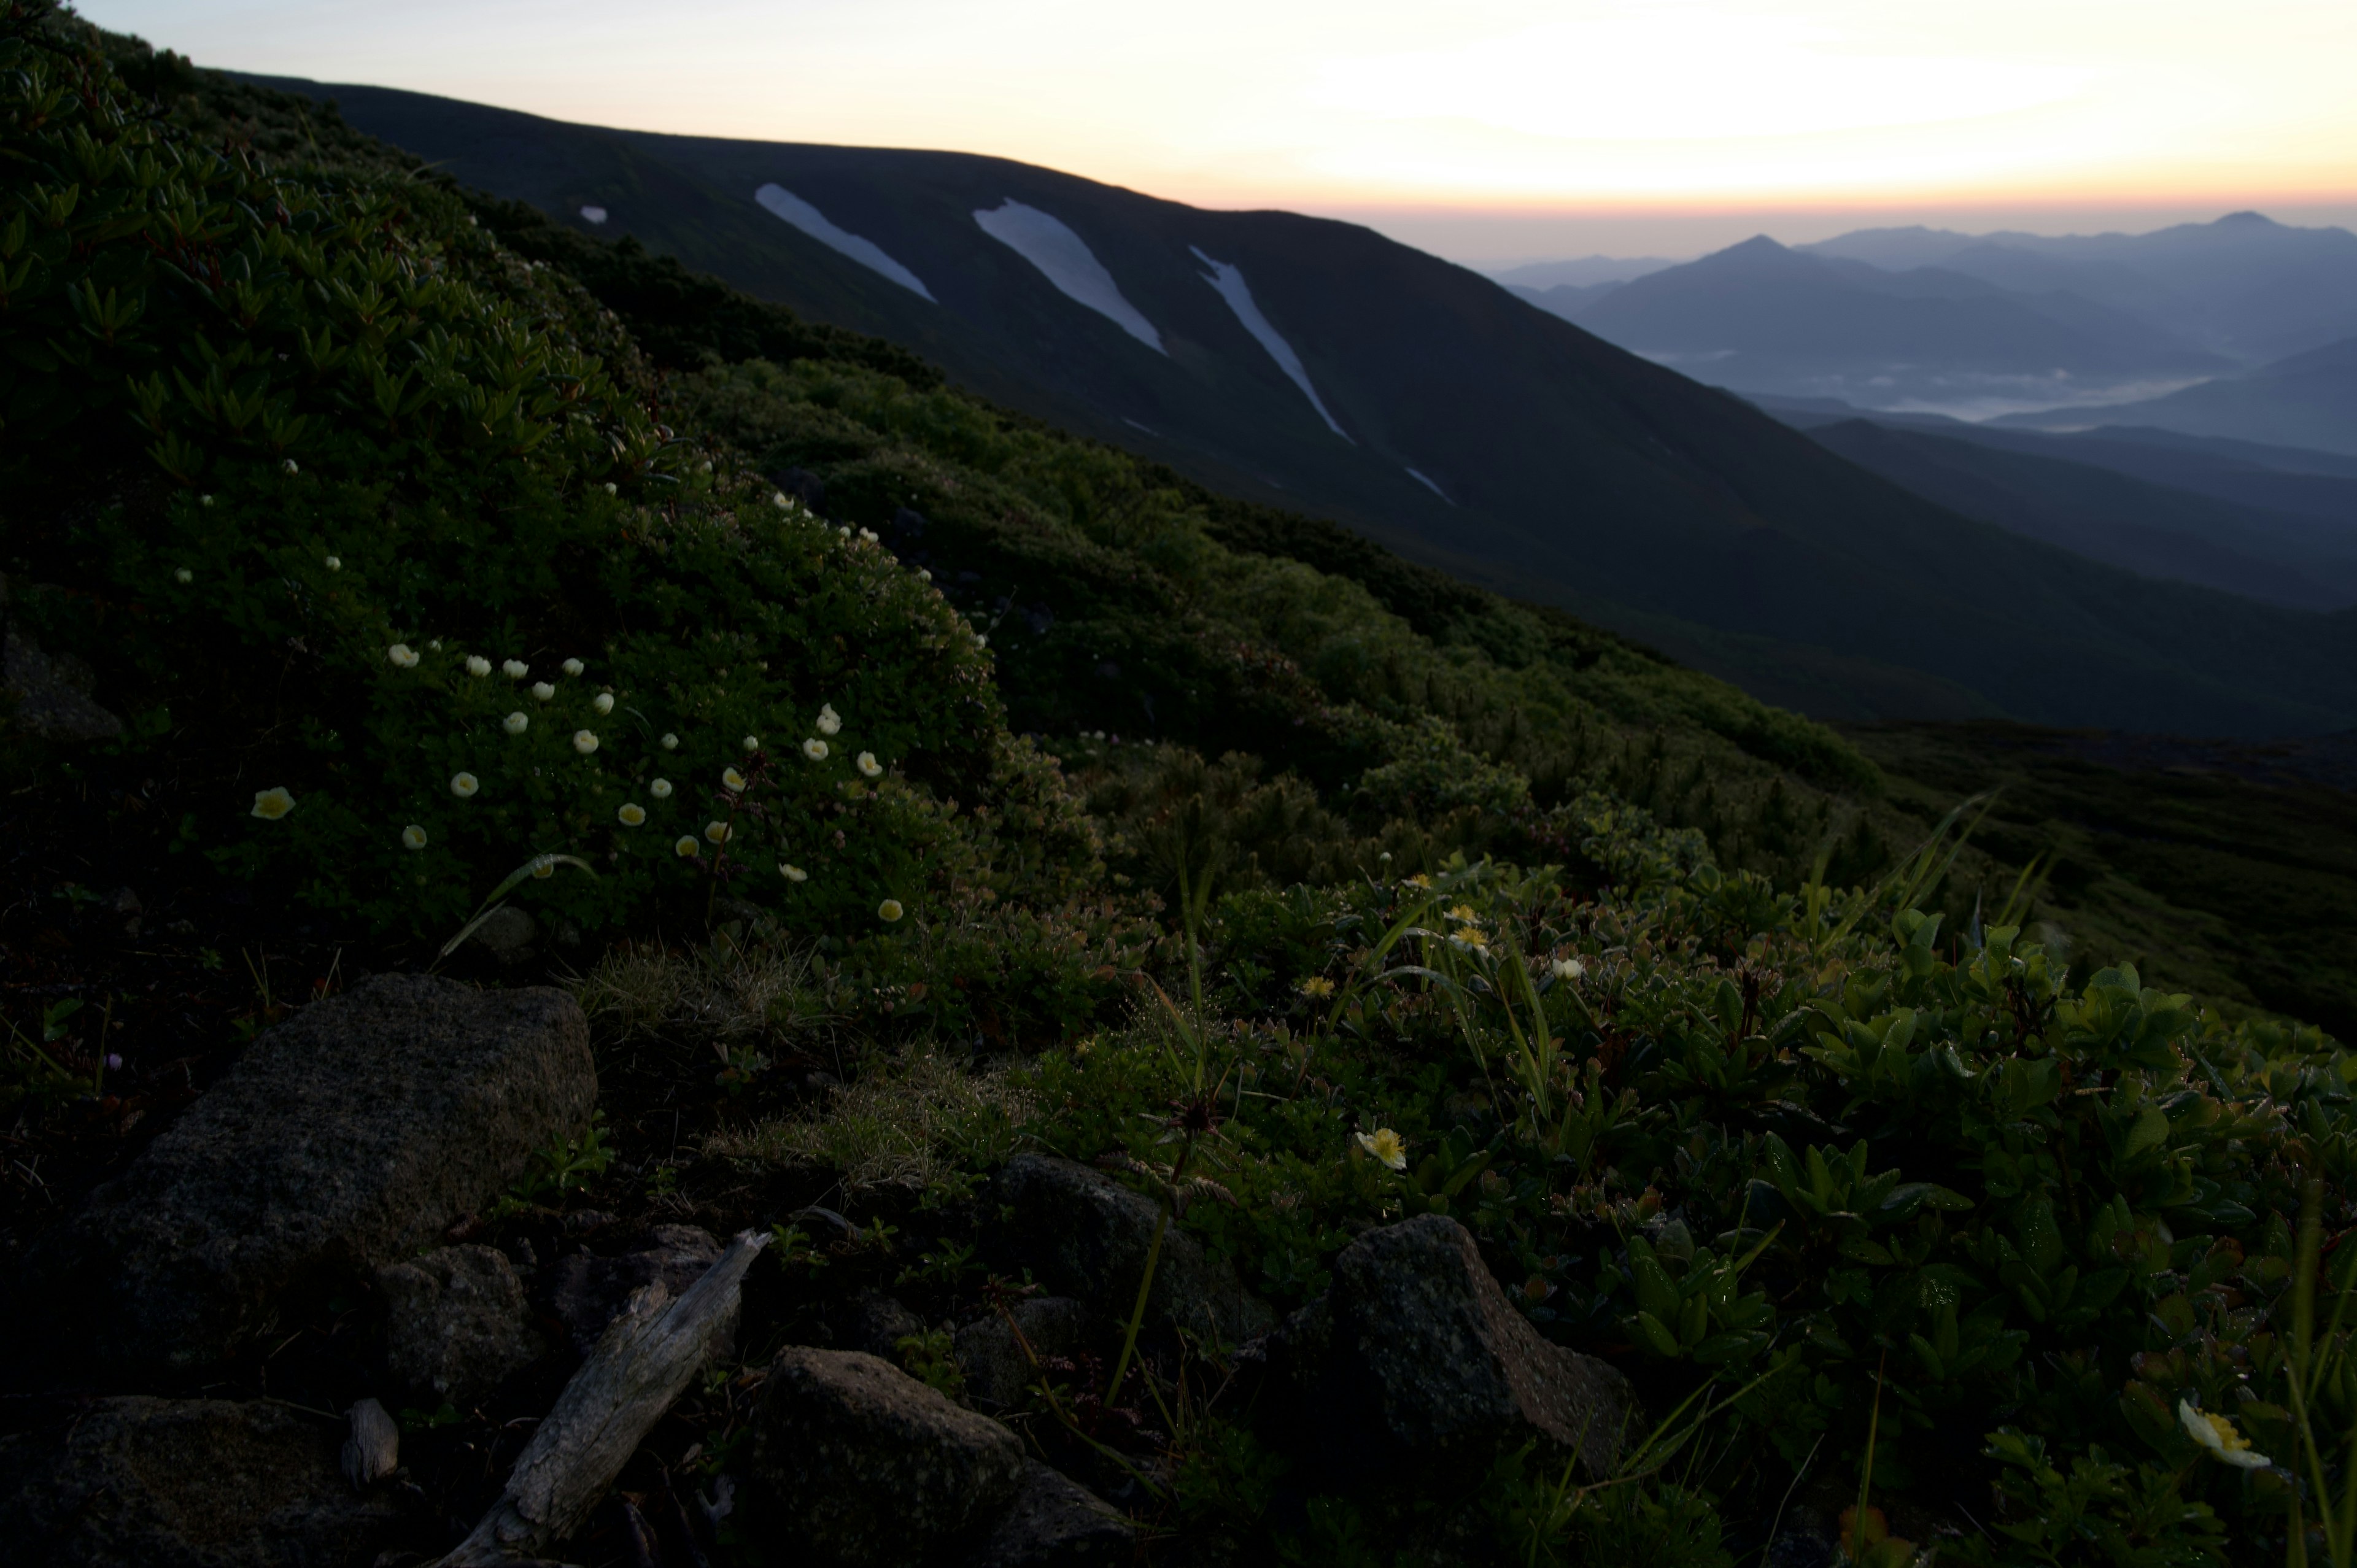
<point x="403" y="656"/>
<point x="889" y="911"/>
<point x="584" y="741"/>
<point x="515" y="724"/>
<point x="603" y="702"/>
<point x="1385" y="1145"/>
<point x="271" y="804"/>
<point x="463" y="785"/>
<point x="716" y="832"/>
<point x="815" y="749"/>
<point x="793" y="872"/>
<point x="660" y="789"/>
<point x="829" y="721"/>
<point x="413" y="837"/>
<point x="870" y="766"/>
<point x="732" y="781"/>
<point x="631" y="815"/>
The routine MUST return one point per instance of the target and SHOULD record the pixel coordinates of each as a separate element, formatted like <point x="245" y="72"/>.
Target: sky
<point x="1488" y="131"/>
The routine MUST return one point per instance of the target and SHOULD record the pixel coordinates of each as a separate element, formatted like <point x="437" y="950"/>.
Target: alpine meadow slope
<point x="1470" y="430"/>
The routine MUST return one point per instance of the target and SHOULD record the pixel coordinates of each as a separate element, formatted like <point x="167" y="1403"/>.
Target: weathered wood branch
<point x="641" y="1364"/>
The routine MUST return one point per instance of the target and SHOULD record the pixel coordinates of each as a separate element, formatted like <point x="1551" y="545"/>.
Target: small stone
<point x="876" y="1324"/>
<point x="1084" y="1235"/>
<point x="996" y="1370"/>
<point x="1056" y="1523"/>
<point x="456" y="1323"/>
<point x="860" y="1464"/>
<point x="507" y="933"/>
<point x="156" y="1482"/>
<point x="586" y="1293"/>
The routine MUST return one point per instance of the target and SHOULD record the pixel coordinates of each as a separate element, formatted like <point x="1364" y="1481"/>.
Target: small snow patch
<point x="1429" y="485"/>
<point x="1134" y="426"/>
<point x="1229" y="282"/>
<point x="594" y="214"/>
<point x="785" y="204"/>
<point x="1065" y="259"/>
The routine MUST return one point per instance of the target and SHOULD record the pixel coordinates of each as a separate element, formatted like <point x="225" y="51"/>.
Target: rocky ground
<point x="363" y="1292"/>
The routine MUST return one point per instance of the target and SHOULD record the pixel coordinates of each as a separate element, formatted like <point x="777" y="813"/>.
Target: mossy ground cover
<point x="1187" y="835"/>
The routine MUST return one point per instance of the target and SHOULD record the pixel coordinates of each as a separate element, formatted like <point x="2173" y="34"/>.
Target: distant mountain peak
<point x="2245" y="219"/>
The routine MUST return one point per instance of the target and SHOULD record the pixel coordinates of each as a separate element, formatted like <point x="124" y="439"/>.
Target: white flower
<point x="584" y="742"/>
<point x="334" y="563"/>
<point x="477" y="665"/>
<point x="435" y="646"/>
<point x="542" y="690"/>
<point x="463" y="785"/>
<point x="631" y="815"/>
<point x="271" y="804"/>
<point x="683" y="846"/>
<point x="515" y="724"/>
<point x="1568" y="969"/>
<point x="845" y="531"/>
<point x="204" y="501"/>
<point x="815" y="749"/>
<point x="868" y="765"/>
<point x="545" y="867"/>
<point x="2217" y="1433"/>
<point x="660" y="789"/>
<point x="184" y="575"/>
<point x="793" y="872"/>
<point x="716" y="832"/>
<point x="868" y="534"/>
<point x="778" y="499"/>
<point x="288" y="466"/>
<point x="603" y="702"/>
<point x="515" y="668"/>
<point x="403" y="656"/>
<point x="1387" y="1146"/>
<point x="413" y="837"/>
<point x="732" y="781"/>
<point x="752" y="742"/>
<point x="829" y="721"/>
<point x="670" y="742"/>
<point x="923" y="576"/>
<point x="574" y="667"/>
<point x="612" y="488"/>
<point x="982" y="642"/>
<point x="889" y="911"/>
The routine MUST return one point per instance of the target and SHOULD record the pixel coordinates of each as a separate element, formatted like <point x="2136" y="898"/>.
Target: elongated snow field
<point x="777" y="199"/>
<point x="1228" y="280"/>
<point x="1065" y="259"/>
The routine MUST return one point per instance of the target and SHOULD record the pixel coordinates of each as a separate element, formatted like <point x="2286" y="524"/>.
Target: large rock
<point x="347" y="1138"/>
<point x="151" y="1483"/>
<point x="457" y="1324"/>
<point x="584" y="1293"/>
<point x="859" y="1464"/>
<point x="51" y="692"/>
<point x="996" y="1370"/>
<point x="1082" y="1234"/>
<point x="1414" y="1354"/>
<point x="1056" y="1523"/>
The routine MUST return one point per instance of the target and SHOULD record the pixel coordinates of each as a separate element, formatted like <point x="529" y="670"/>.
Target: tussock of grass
<point x="725" y="993"/>
<point x="912" y="1123"/>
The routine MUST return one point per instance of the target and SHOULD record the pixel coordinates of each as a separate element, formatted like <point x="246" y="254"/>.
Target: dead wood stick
<point x="640" y="1365"/>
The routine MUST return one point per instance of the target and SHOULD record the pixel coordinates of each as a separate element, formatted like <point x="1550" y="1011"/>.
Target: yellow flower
<point x="413" y="837"/>
<point x="684" y="846"/>
<point x="868" y="765"/>
<point x="1470" y="939"/>
<point x="716" y="832"/>
<point x="815" y="749"/>
<point x="574" y="667"/>
<point x="1387" y="1146"/>
<point x="584" y="742"/>
<point x="515" y="724"/>
<point x="403" y="656"/>
<point x="631" y="813"/>
<point x="1464" y="913"/>
<point x="463" y="785"/>
<point x="889" y="911"/>
<point x="2217" y="1433"/>
<point x="1420" y="880"/>
<point x="271" y="804"/>
<point x="660" y="789"/>
<point x="829" y="721"/>
<point x="1317" y="986"/>
<point x="732" y="781"/>
<point x="793" y="872"/>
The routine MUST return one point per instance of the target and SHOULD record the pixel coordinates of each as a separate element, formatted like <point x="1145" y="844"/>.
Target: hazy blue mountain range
<point x="1759" y="316"/>
<point x="1583" y="272"/>
<point x="2245" y="285"/>
<point x="2308" y="400"/>
<point x="1319" y="366"/>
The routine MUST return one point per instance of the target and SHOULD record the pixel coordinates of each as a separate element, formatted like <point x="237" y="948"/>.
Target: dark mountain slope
<point x="1545" y="461"/>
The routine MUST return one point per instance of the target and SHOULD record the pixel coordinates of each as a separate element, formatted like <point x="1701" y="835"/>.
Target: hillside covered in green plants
<point x="903" y="786"/>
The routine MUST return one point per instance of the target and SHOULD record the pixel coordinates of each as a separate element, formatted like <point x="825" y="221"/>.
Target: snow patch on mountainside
<point x="1065" y="259"/>
<point x="777" y="199"/>
<point x="1429" y="485"/>
<point x="1229" y="282"/>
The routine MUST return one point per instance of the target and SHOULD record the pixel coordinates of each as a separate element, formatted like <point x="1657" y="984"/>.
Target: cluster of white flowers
<point x="829" y="721"/>
<point x="1567" y="969"/>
